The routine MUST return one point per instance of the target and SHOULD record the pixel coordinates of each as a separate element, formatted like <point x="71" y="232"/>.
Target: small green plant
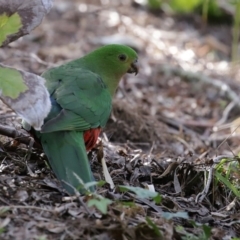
<point x="204" y="235"/>
<point x="224" y="172"/>
<point x="100" y="203"/>
<point x="142" y="193"/>
<point x="154" y="227"/>
<point x="44" y="237"/>
<point x="236" y="32"/>
<point x="184" y="6"/>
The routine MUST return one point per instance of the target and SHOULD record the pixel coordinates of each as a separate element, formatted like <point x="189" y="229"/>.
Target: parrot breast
<point x="91" y="137"/>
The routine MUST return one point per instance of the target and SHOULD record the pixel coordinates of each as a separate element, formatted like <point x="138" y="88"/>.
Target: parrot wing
<point x="84" y="100"/>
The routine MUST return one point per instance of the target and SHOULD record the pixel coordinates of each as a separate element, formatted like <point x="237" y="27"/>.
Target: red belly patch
<point x="90" y="137"/>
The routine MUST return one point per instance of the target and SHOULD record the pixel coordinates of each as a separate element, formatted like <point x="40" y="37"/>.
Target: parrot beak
<point x="133" y="68"/>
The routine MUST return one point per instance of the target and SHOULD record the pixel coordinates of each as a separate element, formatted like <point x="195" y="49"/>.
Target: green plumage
<point x="84" y="100"/>
<point x="81" y="93"/>
<point x="77" y="108"/>
<point x="62" y="149"/>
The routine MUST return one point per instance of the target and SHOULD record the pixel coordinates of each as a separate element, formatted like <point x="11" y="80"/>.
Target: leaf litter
<point x="163" y="134"/>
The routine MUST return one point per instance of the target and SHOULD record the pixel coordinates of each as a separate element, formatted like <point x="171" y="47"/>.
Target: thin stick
<point x="17" y="135"/>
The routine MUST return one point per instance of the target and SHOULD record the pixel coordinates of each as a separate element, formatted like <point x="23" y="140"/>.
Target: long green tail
<point x="67" y="155"/>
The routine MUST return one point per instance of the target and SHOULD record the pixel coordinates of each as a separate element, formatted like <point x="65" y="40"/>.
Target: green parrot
<point x="81" y="93"/>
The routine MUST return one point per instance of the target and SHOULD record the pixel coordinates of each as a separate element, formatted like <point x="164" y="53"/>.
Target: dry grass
<point x="160" y="133"/>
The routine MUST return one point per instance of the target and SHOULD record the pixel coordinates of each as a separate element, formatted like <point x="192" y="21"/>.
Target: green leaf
<point x="207" y="231"/>
<point x="169" y="215"/>
<point x="18" y="18"/>
<point x="26" y="94"/>
<point x="154" y="227"/>
<point x="11" y="82"/>
<point x="94" y="183"/>
<point x="4" y="210"/>
<point x="100" y="204"/>
<point x="142" y="193"/>
<point x="154" y="4"/>
<point x="184" y="6"/>
<point x="203" y="234"/>
<point x="228" y="184"/>
<point x="9" y="25"/>
<point x="44" y="237"/>
<point x="157" y="199"/>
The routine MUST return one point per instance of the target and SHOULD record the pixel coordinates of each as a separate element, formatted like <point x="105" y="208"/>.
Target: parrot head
<point x="111" y="62"/>
<point x="115" y="59"/>
<point x="124" y="58"/>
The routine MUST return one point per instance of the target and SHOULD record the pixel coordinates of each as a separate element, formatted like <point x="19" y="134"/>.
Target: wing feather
<point x="84" y="100"/>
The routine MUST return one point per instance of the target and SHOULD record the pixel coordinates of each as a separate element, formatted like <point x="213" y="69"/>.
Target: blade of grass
<point x="236" y="32"/>
<point x="228" y="184"/>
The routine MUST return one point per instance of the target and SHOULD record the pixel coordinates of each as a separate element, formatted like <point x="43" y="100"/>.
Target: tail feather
<point x="67" y="156"/>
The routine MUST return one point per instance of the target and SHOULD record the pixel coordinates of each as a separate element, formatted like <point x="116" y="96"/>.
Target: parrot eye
<point x="122" y="57"/>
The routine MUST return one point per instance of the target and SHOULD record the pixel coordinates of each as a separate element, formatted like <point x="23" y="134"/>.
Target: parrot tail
<point x="66" y="153"/>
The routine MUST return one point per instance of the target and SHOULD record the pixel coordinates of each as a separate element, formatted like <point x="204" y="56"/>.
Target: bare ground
<point x="163" y="133"/>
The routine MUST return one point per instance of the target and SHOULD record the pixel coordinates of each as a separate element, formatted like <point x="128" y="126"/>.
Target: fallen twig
<point x="199" y="198"/>
<point x="17" y="135"/>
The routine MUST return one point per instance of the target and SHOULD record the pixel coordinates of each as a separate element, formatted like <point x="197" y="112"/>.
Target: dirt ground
<point x="168" y="130"/>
